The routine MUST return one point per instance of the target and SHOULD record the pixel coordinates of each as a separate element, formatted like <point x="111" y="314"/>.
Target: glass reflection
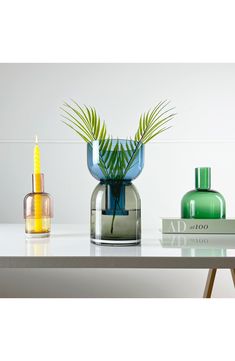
<point x="37" y="247"/>
<point x="199" y="245"/>
<point x="115" y="251"/>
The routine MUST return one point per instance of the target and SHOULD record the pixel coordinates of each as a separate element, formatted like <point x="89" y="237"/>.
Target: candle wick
<point x="36" y="139"/>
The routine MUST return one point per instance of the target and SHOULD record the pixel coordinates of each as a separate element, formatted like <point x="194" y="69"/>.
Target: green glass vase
<point x="203" y="203"/>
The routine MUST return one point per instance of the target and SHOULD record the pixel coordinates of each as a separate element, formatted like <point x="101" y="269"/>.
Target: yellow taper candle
<point x="38" y="200"/>
<point x="37" y="165"/>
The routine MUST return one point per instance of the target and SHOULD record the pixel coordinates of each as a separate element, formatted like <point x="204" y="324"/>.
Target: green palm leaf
<point x="84" y="121"/>
<point x="153" y="122"/>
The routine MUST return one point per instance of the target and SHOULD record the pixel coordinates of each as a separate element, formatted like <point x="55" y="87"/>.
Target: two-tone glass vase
<point x="115" y="203"/>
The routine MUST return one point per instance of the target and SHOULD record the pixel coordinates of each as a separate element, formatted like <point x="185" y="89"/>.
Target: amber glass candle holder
<point x="38" y="209"/>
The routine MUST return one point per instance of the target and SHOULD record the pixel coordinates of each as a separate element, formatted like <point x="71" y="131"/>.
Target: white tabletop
<point x="69" y="246"/>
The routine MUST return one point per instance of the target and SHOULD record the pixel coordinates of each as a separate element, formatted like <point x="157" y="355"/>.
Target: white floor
<point x="111" y="283"/>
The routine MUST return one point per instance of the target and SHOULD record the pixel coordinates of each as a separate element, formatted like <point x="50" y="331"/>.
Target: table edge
<point x="116" y="262"/>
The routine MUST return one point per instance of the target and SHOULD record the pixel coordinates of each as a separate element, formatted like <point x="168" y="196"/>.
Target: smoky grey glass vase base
<point x="115" y="214"/>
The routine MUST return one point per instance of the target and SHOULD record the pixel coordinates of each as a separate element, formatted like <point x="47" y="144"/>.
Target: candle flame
<point x="36" y="139"/>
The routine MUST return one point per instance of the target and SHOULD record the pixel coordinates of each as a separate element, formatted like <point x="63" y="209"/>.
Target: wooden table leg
<point x="209" y="283"/>
<point x="233" y="275"/>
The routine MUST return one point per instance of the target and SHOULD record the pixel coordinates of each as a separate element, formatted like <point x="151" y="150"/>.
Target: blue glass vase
<point x="115" y="202"/>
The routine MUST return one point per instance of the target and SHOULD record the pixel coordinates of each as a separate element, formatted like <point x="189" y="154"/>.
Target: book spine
<point x="198" y="226"/>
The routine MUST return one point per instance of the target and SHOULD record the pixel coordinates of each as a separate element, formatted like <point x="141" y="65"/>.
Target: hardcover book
<point x="212" y="226"/>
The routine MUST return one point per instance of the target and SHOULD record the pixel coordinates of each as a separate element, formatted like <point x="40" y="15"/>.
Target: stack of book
<point x="208" y="226"/>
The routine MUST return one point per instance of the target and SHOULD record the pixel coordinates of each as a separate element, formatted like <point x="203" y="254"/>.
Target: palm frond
<point x="84" y="121"/>
<point x="115" y="161"/>
<point x="153" y="122"/>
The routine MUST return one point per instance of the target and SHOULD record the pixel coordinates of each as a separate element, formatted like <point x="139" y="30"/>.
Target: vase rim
<point x="117" y="139"/>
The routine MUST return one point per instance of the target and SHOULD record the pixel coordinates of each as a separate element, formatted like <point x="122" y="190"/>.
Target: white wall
<point x="30" y="97"/>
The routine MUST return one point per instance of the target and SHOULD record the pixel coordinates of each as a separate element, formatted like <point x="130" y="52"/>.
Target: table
<point x="69" y="246"/>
